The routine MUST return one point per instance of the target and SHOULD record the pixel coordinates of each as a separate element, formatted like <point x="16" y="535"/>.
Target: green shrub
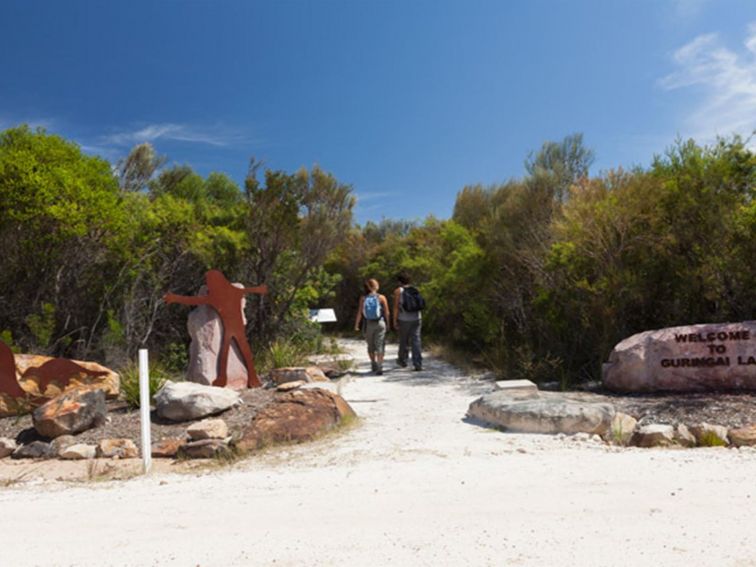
<point x="130" y="382"/>
<point x="283" y="353"/>
<point x="175" y="357"/>
<point x="710" y="439"/>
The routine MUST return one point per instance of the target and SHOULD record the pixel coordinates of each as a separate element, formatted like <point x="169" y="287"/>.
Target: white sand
<point x="413" y="484"/>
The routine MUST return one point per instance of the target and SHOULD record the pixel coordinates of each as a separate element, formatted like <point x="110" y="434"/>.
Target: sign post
<point x="144" y="408"/>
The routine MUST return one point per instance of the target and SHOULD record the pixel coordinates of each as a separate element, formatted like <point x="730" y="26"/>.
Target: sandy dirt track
<point x="411" y="484"/>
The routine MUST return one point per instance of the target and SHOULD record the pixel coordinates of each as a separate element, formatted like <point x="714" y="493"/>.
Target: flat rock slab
<point x="542" y="415"/>
<point x="694" y="358"/>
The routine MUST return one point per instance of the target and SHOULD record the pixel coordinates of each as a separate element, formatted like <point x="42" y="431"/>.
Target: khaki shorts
<point x="375" y="335"/>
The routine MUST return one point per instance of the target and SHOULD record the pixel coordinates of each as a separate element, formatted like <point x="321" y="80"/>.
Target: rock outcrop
<point x="294" y="417"/>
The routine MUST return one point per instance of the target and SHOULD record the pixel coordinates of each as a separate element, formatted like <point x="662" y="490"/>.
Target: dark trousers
<point x="409" y="336"/>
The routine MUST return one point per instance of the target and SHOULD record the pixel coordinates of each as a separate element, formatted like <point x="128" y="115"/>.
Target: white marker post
<point x="144" y="408"/>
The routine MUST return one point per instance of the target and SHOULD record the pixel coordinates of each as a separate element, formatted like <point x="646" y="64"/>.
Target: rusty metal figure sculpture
<point x="58" y="370"/>
<point x="226" y="300"/>
<point x="8" y="383"/>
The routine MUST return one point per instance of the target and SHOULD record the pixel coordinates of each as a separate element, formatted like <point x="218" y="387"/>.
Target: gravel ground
<point x="123" y="422"/>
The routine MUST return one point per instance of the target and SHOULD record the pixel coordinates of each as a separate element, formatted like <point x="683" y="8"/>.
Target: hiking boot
<point x="401" y="363"/>
<point x="373" y="366"/>
<point x="418" y="367"/>
<point x="379" y="369"/>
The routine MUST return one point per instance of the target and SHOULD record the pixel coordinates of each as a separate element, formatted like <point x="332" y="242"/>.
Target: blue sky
<point x="408" y="101"/>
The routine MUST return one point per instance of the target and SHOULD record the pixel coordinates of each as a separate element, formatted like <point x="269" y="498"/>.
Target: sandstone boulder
<point x="294" y="417"/>
<point x="117" y="449"/>
<point x="167" y="448"/>
<point x="205" y="449"/>
<point x="186" y="401"/>
<point x="653" y="435"/>
<point x="71" y="412"/>
<point x="208" y="429"/>
<point x="60" y="444"/>
<point x="710" y="435"/>
<point x="553" y="414"/>
<point x="743" y="436"/>
<point x="683" y="436"/>
<point x="7" y="446"/>
<point x="685" y="359"/>
<point x="46" y="377"/>
<point x="622" y="428"/>
<point x="77" y="452"/>
<point x="206" y="330"/>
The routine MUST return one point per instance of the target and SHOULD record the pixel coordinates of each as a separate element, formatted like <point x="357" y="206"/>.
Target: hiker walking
<point x="408" y="321"/>
<point x="374" y="310"/>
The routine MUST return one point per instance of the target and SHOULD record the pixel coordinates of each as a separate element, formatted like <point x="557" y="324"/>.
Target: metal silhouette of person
<point x="8" y="383"/>
<point x="226" y="300"/>
<point x="56" y="370"/>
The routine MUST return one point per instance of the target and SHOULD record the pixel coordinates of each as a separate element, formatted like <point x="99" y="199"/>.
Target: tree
<point x="293" y="223"/>
<point x="60" y="216"/>
<point x="136" y="169"/>
<point x="563" y="162"/>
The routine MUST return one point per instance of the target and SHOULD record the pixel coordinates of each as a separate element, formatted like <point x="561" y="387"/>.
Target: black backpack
<point x="412" y="301"/>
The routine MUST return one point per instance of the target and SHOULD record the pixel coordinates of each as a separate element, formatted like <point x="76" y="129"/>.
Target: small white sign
<point x="323" y="316"/>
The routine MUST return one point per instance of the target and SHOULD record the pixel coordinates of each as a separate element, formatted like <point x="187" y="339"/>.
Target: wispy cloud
<point x="687" y="10"/>
<point x="213" y="136"/>
<point x="727" y="82"/>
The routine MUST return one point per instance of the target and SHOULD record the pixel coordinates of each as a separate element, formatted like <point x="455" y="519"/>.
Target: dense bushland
<point x="543" y="275"/>
<point x="539" y="276"/>
<point x="89" y="251"/>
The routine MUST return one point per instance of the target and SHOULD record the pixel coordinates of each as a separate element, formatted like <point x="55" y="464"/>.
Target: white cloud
<point x="215" y="136"/>
<point x="726" y="80"/>
<point x="687" y="10"/>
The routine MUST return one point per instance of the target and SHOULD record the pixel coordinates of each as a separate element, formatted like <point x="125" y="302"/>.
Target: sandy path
<point x="413" y="484"/>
